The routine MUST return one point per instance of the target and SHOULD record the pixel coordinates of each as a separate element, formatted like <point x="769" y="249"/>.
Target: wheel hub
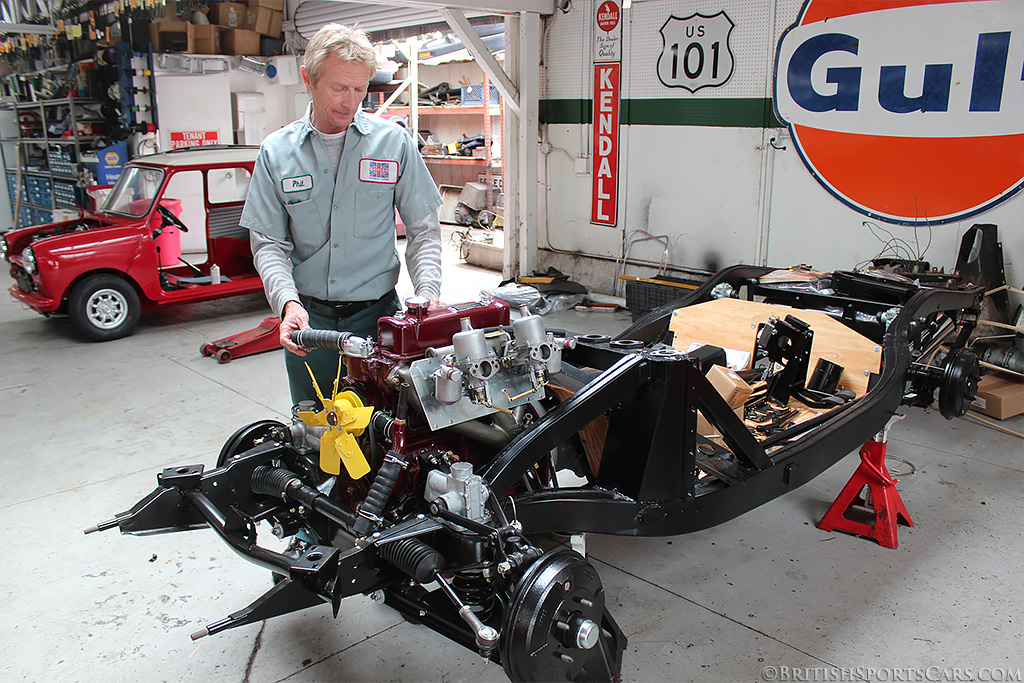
<point x="959" y="384"/>
<point x="557" y="627"/>
<point x="107" y="308"/>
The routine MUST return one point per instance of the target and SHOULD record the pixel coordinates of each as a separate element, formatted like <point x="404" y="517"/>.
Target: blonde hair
<point x="348" y="44"/>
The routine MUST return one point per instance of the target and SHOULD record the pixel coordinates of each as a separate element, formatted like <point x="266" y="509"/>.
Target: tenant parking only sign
<point x="607" y="54"/>
<point x="193" y="138"/>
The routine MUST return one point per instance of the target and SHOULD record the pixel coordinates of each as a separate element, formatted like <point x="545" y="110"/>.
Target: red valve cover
<point x="410" y="333"/>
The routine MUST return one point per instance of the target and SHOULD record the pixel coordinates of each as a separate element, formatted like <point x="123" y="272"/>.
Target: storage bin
<point x="12" y="187"/>
<point x="474" y="95"/>
<point x="66" y="194"/>
<point x="168" y="242"/>
<point x="62" y="159"/>
<point x="642" y="297"/>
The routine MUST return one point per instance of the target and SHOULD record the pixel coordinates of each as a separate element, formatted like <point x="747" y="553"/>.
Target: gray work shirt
<point x="343" y="229"/>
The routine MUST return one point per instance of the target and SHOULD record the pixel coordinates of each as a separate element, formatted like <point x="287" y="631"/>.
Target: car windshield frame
<point x="135" y="191"/>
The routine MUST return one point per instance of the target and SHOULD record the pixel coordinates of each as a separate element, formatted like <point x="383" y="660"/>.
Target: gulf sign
<point x="909" y="111"/>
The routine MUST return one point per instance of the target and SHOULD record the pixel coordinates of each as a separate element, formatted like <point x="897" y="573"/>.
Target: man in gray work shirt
<point x="321" y="210"/>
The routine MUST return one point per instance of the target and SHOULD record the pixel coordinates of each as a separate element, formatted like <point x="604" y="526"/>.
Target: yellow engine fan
<point x="345" y="417"/>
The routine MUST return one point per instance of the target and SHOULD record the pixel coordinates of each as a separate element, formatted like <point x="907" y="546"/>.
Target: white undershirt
<point x="334" y="142"/>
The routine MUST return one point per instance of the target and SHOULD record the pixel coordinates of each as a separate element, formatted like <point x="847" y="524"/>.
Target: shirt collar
<point x="361" y="123"/>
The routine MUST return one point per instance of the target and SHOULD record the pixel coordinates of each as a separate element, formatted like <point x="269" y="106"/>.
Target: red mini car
<point x="166" y="234"/>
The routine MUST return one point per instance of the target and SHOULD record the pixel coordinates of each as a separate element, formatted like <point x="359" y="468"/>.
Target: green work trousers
<point x="324" y="362"/>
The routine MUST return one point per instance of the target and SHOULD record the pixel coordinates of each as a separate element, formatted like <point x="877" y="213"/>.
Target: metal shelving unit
<point x="46" y="174"/>
<point x="447" y="169"/>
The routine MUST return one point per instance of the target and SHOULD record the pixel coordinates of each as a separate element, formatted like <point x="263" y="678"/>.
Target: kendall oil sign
<point x="604" y="195"/>
<point x="910" y="111"/>
<point x="605" y="190"/>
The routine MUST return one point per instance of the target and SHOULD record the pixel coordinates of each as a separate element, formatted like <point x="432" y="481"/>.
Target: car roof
<point x="220" y="154"/>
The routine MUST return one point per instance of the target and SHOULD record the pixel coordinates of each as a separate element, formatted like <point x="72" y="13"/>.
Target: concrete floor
<point x="86" y="427"/>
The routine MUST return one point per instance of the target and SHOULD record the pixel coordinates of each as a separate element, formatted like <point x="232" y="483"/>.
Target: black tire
<point x="104" y="307"/>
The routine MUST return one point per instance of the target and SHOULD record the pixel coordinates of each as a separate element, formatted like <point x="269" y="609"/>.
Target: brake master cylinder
<point x="461" y="492"/>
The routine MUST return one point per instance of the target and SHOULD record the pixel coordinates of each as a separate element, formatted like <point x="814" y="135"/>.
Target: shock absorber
<point x="384" y="483"/>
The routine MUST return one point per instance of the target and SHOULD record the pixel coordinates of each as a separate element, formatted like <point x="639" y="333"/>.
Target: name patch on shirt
<point x="378" y="171"/>
<point x="297" y="183"/>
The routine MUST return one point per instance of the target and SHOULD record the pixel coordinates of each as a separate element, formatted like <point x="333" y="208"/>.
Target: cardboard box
<point x="1000" y="397"/>
<point x="169" y="36"/>
<point x="730" y="385"/>
<point x="228" y="15"/>
<point x="276" y="5"/>
<point x="204" y="39"/>
<point x="264" y="21"/>
<point x="239" y="41"/>
<point x="732" y="388"/>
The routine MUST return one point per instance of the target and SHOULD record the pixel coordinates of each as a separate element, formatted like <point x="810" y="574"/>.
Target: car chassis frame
<point x="648" y="483"/>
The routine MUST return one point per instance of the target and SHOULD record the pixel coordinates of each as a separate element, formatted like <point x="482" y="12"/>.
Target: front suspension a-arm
<point x="225" y="497"/>
<point x="189" y="498"/>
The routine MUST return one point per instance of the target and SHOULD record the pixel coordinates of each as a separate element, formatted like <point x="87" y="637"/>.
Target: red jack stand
<point x="882" y="498"/>
<point x="257" y="340"/>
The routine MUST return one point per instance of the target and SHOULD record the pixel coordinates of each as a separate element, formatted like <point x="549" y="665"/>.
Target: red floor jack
<point x="881" y="497"/>
<point x="257" y="340"/>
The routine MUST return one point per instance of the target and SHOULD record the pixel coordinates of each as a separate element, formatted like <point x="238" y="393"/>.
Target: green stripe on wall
<point x="565" y="111"/>
<point x="727" y="112"/>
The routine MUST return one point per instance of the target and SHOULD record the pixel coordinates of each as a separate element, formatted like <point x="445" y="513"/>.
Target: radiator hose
<point x="387" y="476"/>
<point x="384" y="483"/>
<point x="320" y="339"/>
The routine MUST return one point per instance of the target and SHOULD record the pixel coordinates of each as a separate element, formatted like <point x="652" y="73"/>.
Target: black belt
<point x="338" y="309"/>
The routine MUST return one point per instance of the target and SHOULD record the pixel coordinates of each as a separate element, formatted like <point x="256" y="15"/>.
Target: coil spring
<point x="474" y="591"/>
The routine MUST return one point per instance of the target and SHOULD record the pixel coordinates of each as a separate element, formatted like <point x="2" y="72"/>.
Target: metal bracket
<point x="285" y="597"/>
<point x="883" y="435"/>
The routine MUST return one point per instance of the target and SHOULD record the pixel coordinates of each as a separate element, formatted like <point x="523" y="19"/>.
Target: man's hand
<point x="436" y="303"/>
<point x="295" y="318"/>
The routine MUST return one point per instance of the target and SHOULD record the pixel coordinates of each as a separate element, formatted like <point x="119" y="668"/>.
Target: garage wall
<point x="202" y="102"/>
<point x="713" y="172"/>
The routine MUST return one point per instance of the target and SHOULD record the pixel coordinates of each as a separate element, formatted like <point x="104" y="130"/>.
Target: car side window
<point x="227" y="184"/>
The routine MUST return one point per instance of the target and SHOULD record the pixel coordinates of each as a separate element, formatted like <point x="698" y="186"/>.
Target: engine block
<point x="463" y="362"/>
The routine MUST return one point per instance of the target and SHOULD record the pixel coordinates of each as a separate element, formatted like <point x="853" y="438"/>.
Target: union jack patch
<point x="378" y="171"/>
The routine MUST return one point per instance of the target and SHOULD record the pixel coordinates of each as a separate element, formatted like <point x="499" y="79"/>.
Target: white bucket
<point x="65" y="215"/>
